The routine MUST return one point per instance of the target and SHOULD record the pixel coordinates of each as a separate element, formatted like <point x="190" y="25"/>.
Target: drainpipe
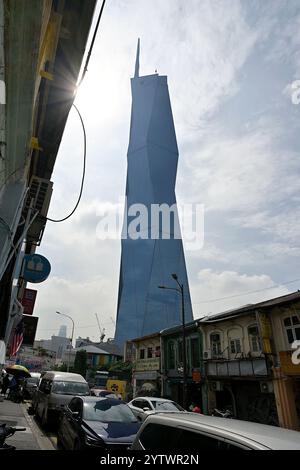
<point x="204" y="387"/>
<point x="162" y="368"/>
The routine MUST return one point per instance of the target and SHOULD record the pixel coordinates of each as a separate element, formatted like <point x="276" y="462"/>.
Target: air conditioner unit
<point x="206" y="354"/>
<point x="266" y="387"/>
<point x="39" y="195"/>
<point x="216" y="386"/>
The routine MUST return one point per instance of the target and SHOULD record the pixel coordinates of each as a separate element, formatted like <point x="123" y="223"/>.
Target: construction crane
<point x="102" y="330"/>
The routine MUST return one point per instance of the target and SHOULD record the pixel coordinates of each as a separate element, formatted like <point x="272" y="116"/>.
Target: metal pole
<point x="71" y="343"/>
<point x="184" y="351"/>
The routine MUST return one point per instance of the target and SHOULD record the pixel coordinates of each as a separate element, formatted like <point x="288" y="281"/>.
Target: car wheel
<point x="77" y="445"/>
<point x="59" y="442"/>
<point x="44" y="420"/>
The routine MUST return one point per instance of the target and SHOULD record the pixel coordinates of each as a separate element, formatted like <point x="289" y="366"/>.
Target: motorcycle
<point x="222" y="414"/>
<point x="6" y="432"/>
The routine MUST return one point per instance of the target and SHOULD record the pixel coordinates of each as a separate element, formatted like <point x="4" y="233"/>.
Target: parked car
<point x="97" y="423"/>
<point x="193" y="432"/>
<point x="55" y="390"/>
<point x="144" y="406"/>
<point x="31" y="384"/>
<point x="99" y="392"/>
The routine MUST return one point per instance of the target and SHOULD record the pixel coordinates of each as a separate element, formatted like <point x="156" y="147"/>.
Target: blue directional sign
<point x="36" y="268"/>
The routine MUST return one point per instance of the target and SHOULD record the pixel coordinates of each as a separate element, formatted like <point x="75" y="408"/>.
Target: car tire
<point x="77" y="445"/>
<point x="59" y="443"/>
<point x="44" y="420"/>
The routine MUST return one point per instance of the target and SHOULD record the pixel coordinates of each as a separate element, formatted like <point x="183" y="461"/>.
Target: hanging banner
<point x="30" y="326"/>
<point x="28" y="301"/>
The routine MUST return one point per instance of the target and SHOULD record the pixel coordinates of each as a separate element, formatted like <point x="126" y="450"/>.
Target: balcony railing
<point x="237" y="368"/>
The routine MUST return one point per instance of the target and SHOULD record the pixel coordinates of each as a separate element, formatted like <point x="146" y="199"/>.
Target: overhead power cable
<point x="83" y="172"/>
<point x="246" y="293"/>
<point x="92" y="44"/>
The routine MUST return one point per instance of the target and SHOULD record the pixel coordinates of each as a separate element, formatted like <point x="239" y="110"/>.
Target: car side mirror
<point x="146" y="408"/>
<point x="76" y="415"/>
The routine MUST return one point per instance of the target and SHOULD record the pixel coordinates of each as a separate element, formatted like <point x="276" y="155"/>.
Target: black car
<point x="97" y="423"/>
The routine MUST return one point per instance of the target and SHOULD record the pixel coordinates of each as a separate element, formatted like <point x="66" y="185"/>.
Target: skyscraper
<point x="149" y="258"/>
<point x="62" y="331"/>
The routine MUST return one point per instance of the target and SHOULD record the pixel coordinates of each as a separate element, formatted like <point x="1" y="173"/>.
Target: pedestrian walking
<point x="5" y="384"/>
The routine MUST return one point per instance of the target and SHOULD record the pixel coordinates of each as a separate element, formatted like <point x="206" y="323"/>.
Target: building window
<point x="215" y="344"/>
<point x="157" y="351"/>
<point x="254" y="339"/>
<point x="142" y="353"/>
<point x="149" y="352"/>
<point x="171" y="355"/>
<point x="235" y="346"/>
<point x="292" y="328"/>
<point x="195" y="359"/>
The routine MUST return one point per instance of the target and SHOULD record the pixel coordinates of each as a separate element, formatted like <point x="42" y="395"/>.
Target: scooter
<point x="6" y="432"/>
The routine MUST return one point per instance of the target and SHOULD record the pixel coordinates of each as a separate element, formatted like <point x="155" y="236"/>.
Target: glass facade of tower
<point x="148" y="262"/>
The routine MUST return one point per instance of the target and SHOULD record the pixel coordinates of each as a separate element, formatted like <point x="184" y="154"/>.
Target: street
<point x="34" y="438"/>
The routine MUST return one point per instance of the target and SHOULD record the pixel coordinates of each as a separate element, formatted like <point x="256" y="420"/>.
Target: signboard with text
<point x="147" y="364"/>
<point x="30" y="326"/>
<point x="28" y="301"/>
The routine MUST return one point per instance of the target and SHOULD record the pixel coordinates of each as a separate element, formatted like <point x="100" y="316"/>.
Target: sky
<point x="231" y="66"/>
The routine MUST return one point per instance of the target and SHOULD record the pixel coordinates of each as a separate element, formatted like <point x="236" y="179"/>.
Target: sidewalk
<point x="15" y="414"/>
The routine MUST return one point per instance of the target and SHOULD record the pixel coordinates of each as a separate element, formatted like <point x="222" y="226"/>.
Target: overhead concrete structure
<point x="42" y="44"/>
<point x="149" y="260"/>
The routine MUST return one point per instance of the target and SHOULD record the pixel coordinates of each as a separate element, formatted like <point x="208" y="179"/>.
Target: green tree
<point x="80" y="363"/>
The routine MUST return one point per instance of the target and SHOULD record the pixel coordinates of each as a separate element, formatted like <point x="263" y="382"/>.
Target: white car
<point x="145" y="406"/>
<point x="192" y="432"/>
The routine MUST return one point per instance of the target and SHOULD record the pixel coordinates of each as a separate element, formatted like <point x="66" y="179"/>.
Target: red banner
<point x="28" y="301"/>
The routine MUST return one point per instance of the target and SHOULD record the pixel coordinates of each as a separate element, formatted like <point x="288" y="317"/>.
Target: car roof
<point x="271" y="437"/>
<point x="90" y="399"/>
<point x="65" y="376"/>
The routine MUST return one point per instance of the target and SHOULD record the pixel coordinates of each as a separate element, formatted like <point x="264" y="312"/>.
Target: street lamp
<point x="180" y="290"/>
<point x="59" y="313"/>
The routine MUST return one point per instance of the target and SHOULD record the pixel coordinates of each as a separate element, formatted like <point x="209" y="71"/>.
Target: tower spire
<point x="137" y="60"/>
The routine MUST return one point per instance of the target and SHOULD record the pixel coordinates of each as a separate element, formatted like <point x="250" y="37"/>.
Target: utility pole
<point x="181" y="291"/>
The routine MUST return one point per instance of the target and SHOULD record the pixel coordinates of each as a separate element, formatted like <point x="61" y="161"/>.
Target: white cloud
<point x="213" y="285"/>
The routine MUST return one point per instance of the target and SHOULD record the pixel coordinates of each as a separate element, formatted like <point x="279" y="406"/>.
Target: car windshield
<point x="70" y="388"/>
<point x="107" y="411"/>
<point x="166" y="406"/>
<point x="33" y="380"/>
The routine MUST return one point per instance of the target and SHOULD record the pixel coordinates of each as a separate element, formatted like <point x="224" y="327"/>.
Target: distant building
<point x="57" y="344"/>
<point x="36" y="359"/>
<point x="96" y="356"/>
<point x="62" y="331"/>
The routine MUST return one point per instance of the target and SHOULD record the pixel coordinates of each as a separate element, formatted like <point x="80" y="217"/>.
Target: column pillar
<point x="285" y="400"/>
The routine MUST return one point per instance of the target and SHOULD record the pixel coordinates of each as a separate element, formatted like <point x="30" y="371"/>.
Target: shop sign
<point x="147" y="364"/>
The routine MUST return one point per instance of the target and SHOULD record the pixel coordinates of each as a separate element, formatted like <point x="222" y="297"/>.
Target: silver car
<point x="193" y="433"/>
<point x="145" y="406"/>
<point x="56" y="390"/>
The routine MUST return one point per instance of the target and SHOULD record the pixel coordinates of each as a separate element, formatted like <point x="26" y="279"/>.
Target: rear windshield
<point x="70" y="388"/>
<point x="108" y="411"/>
<point x="33" y="380"/>
<point x="166" y="406"/>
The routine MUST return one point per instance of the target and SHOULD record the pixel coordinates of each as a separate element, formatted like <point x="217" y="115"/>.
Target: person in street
<point x="196" y="409"/>
<point x="5" y="384"/>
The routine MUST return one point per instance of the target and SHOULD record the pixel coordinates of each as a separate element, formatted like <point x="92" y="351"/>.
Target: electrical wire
<point x="246" y="293"/>
<point x="92" y="44"/>
<point x="83" y="172"/>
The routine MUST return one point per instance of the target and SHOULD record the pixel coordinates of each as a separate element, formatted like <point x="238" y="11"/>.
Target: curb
<point x="43" y="441"/>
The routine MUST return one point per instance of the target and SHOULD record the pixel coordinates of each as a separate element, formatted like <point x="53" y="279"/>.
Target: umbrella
<point x="17" y="370"/>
